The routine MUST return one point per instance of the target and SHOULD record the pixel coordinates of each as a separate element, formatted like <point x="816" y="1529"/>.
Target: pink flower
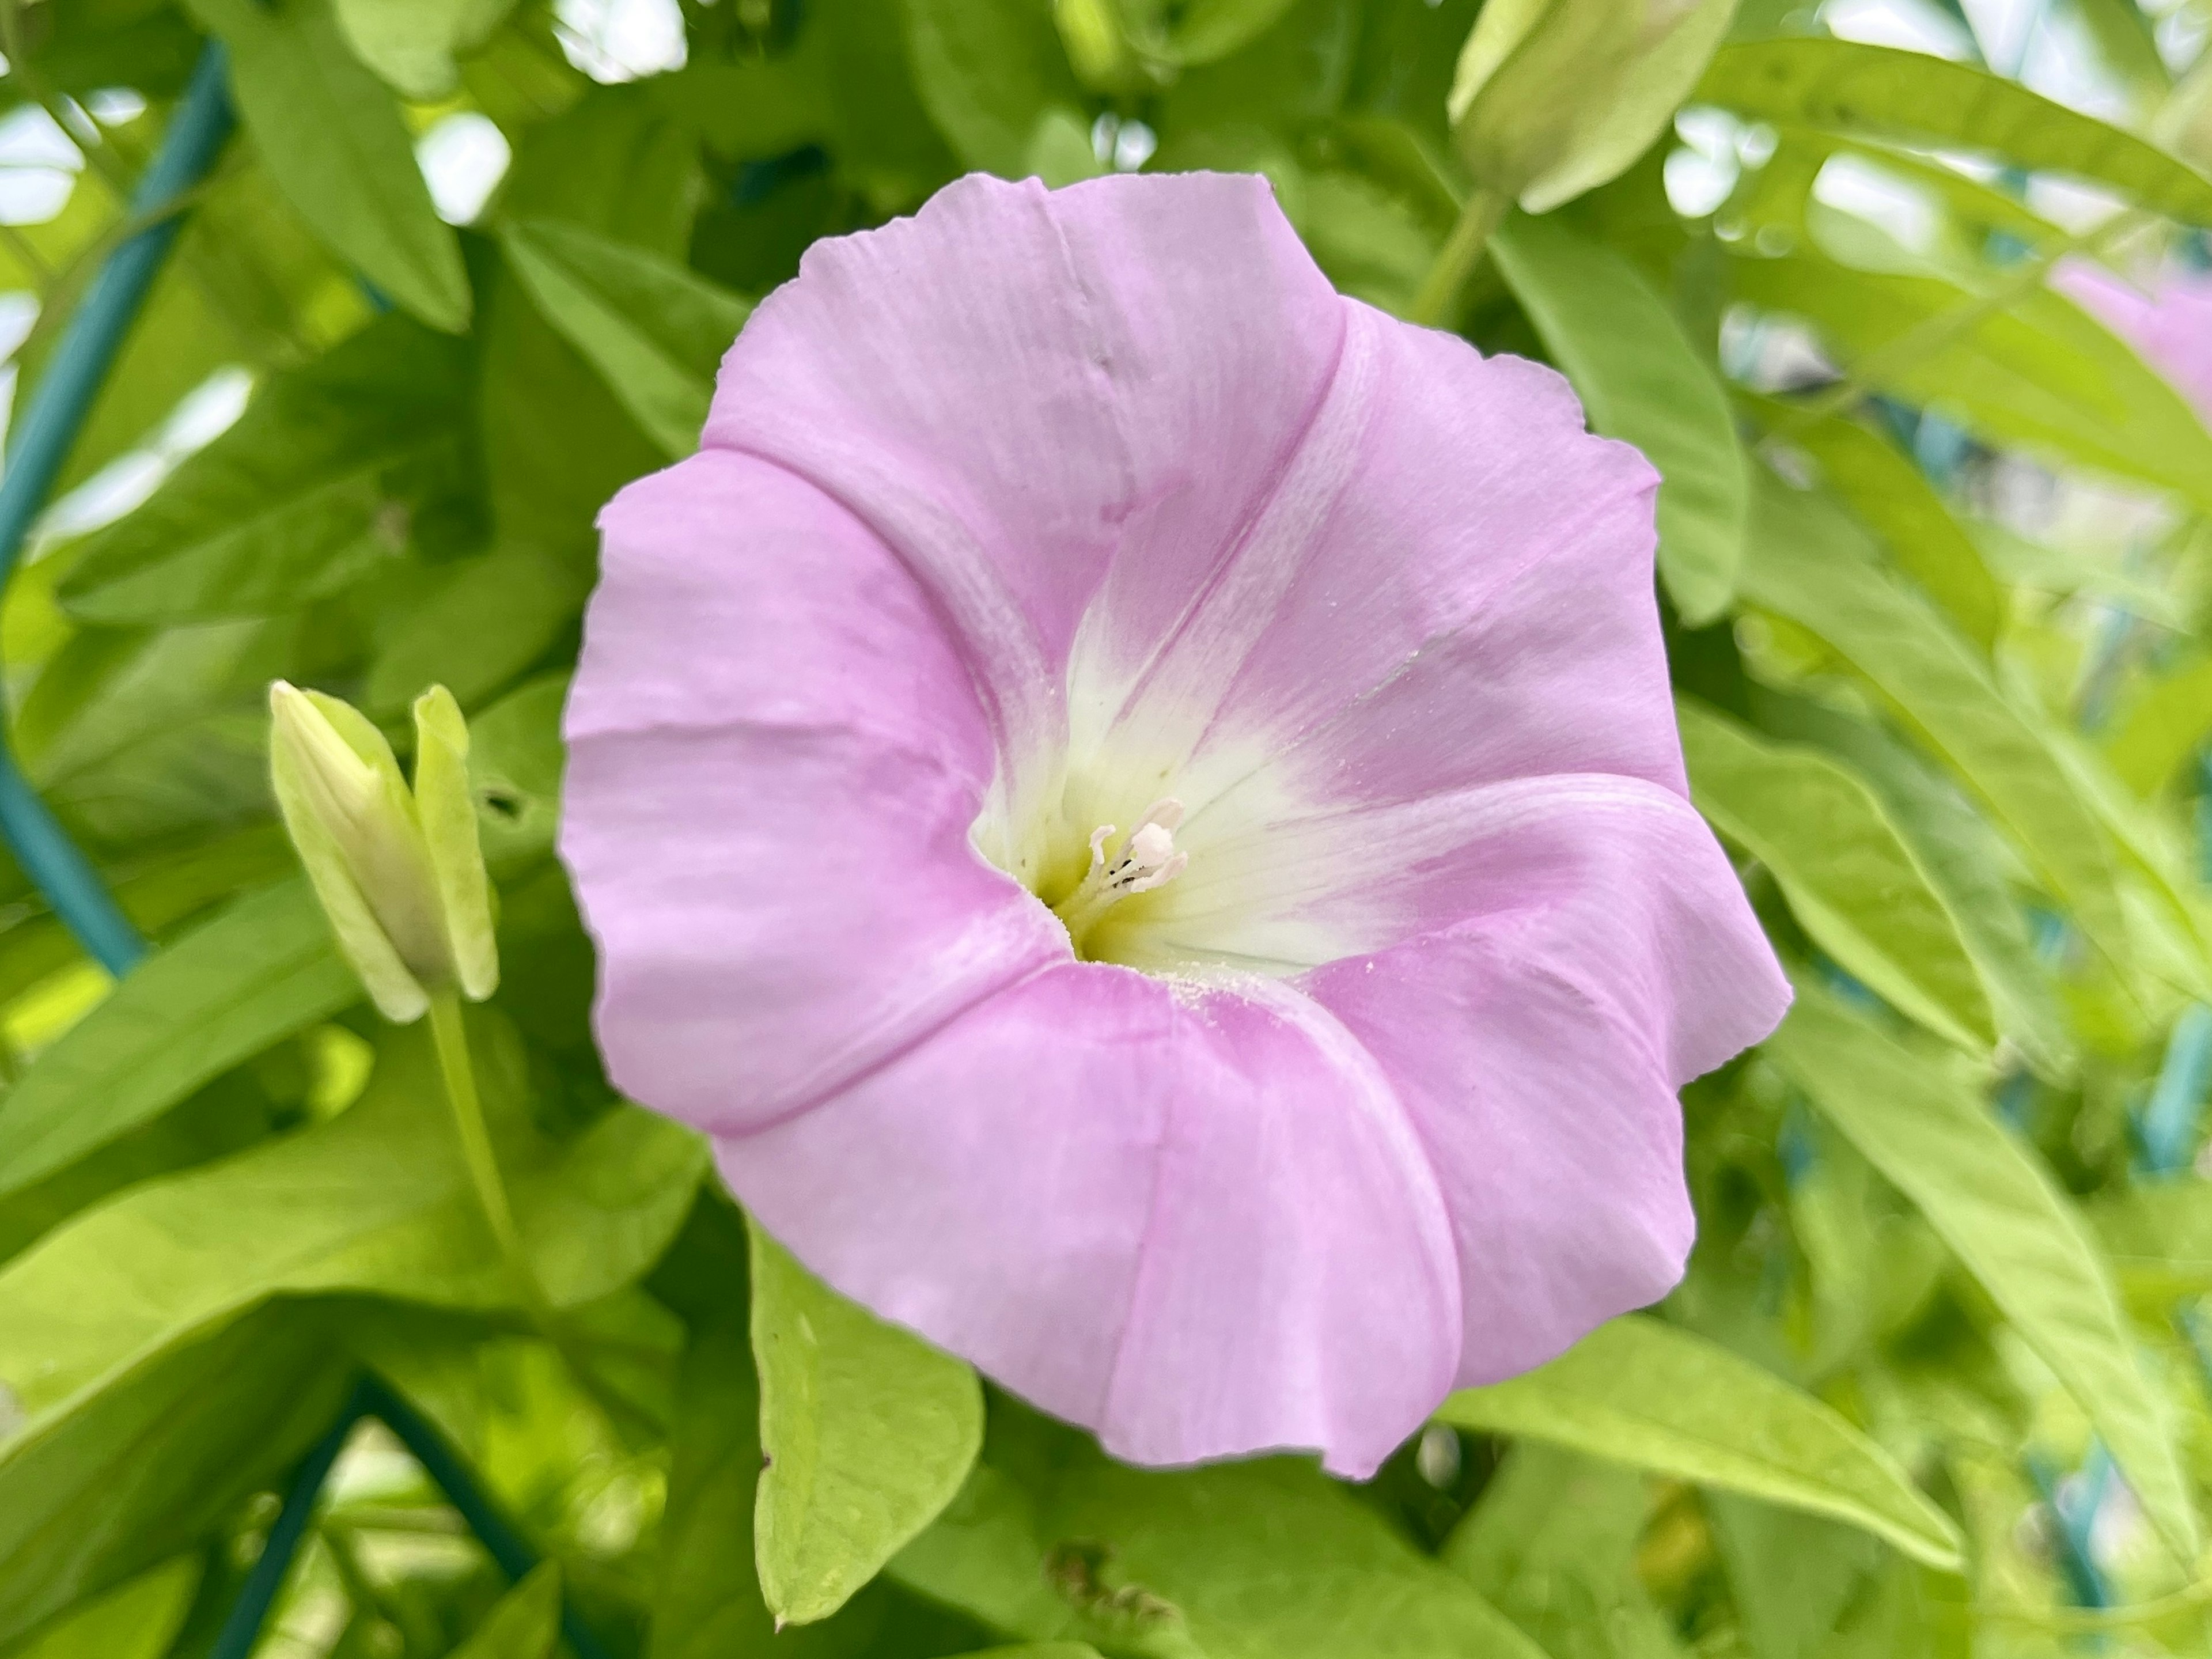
<point x="1085" y="549"/>
<point x="2170" y="325"/>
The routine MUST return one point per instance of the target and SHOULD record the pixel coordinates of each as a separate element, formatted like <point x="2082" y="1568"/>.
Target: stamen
<point x="1147" y="859"/>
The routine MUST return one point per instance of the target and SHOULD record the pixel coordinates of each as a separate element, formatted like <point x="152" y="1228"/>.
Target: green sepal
<point x="446" y="811"/>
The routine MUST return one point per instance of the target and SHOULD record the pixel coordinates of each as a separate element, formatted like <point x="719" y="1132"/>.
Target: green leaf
<point x="707" y="1599"/>
<point x="81" y="49"/>
<point x="2174" y="929"/>
<point x="1650" y="1394"/>
<point x="151" y="1469"/>
<point x="2085" y="571"/>
<point x="1885" y="92"/>
<point x="483" y="620"/>
<point x="653" y="330"/>
<point x="280" y="293"/>
<point x="1781" y="195"/>
<point x="556" y="443"/>
<point x="2161" y="730"/>
<point x="1201" y="31"/>
<point x="227" y="1115"/>
<point x="2159" y="1238"/>
<point x="1552" y="1541"/>
<point x="989" y="1556"/>
<point x="1894" y="498"/>
<point x="262" y="969"/>
<point x="523" y="1624"/>
<point x="110" y="688"/>
<point x="2035" y="371"/>
<point x="1242" y="1560"/>
<point x="1371" y="244"/>
<point x="618" y="163"/>
<point x="198" y="778"/>
<point x="1810" y="564"/>
<point x="1641" y="381"/>
<point x="246" y="285"/>
<point x="753" y="109"/>
<point x="1793" y="1578"/>
<point x="1851" y="879"/>
<point x="988" y="71"/>
<point x="1408" y="54"/>
<point x="1294" y="74"/>
<point x="2005" y="1219"/>
<point x="330" y="133"/>
<point x="377" y="1200"/>
<point x="707" y="1602"/>
<point x="1965" y="861"/>
<point x="412" y="43"/>
<point x="138" y="1621"/>
<point x="515" y="759"/>
<point x="2127" y="40"/>
<point x="159" y="894"/>
<point x="866" y="1430"/>
<point x="312" y="490"/>
<point x="1059" y="151"/>
<point x="883" y="132"/>
<point x="1907" y="1613"/>
<point x="179" y="340"/>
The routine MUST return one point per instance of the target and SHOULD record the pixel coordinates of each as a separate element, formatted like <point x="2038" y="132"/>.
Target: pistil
<point x="1148" y="858"/>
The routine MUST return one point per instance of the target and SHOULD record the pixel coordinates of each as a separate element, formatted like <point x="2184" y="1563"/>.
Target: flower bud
<point x="400" y="874"/>
<point x="1097" y="49"/>
<point x="1555" y="97"/>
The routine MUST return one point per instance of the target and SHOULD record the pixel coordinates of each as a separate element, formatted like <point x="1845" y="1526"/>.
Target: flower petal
<point x="1512" y="630"/>
<point x="1538" y="1047"/>
<point x="1297" y="1286"/>
<point x="1017" y="388"/>
<point x="732" y="591"/>
<point x="1451" y="584"/>
<point x="773" y="761"/>
<point x="1196" y="1221"/>
<point x="2171" y="326"/>
<point x="1104" y="488"/>
<point x="1307" y="888"/>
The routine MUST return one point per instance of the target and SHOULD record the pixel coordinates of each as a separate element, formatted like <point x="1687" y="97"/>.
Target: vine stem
<point x="1456" y="259"/>
<point x="449" y="1035"/>
<point x="39" y="440"/>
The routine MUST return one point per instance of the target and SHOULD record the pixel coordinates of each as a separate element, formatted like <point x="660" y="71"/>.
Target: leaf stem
<point x="1479" y="215"/>
<point x="449" y="1034"/>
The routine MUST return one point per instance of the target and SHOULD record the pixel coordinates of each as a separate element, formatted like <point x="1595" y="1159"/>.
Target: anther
<point x="1147" y="859"/>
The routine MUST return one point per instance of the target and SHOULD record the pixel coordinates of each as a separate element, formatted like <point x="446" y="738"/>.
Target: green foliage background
<point x="1937" y="580"/>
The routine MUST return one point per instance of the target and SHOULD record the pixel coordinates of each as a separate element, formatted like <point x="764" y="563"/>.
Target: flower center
<point x="1148" y="858"/>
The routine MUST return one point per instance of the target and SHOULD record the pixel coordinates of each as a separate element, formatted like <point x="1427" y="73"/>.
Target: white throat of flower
<point x="1148" y="858"/>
